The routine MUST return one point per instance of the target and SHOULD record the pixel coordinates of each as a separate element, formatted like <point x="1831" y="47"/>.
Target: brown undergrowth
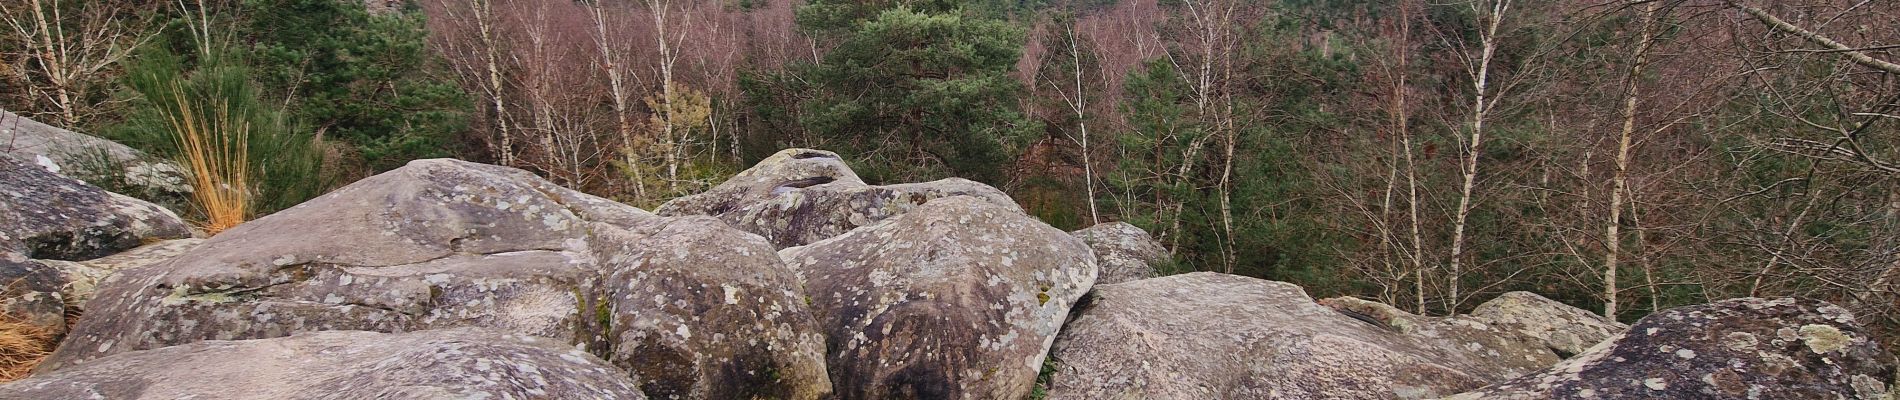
<point x="22" y="346"/>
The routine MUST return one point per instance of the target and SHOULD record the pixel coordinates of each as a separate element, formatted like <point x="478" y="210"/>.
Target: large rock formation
<point x="800" y="196"/>
<point x="45" y="215"/>
<point x="1124" y="251"/>
<point x="1216" y="336"/>
<point x="437" y="364"/>
<point x="957" y="299"/>
<point x="86" y="157"/>
<point x="443" y="243"/>
<point x="1733" y="349"/>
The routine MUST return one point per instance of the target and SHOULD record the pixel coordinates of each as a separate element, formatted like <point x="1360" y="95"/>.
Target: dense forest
<point x="1621" y="156"/>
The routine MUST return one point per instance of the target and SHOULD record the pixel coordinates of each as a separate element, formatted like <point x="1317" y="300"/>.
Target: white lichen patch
<point x="1824" y="338"/>
<point x="1656" y="383"/>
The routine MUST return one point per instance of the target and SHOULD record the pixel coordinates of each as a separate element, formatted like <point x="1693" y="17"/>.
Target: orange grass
<point x="217" y="152"/>
<point x="22" y="347"/>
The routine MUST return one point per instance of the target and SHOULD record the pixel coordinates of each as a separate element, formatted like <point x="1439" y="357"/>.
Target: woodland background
<point x="1622" y="156"/>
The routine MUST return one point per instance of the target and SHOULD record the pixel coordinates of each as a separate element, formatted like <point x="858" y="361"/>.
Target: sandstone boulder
<point x="957" y="299"/>
<point x="1564" y="329"/>
<point x="86" y="157"/>
<point x="436" y="364"/>
<point x="45" y="215"/>
<point x="1215" y="336"/>
<point x="1746" y="348"/>
<point x="1504" y="349"/>
<point x="1124" y="251"/>
<point x="443" y="244"/>
<point x="800" y="196"/>
<point x="82" y="277"/>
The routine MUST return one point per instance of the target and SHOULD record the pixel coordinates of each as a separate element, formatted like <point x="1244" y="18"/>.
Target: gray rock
<point x="783" y="171"/>
<point x="700" y="310"/>
<point x="29" y="293"/>
<point x="1215" y="336"/>
<point x="1732" y="349"/>
<point x="83" y="277"/>
<point x="79" y="156"/>
<point x="800" y="196"/>
<point x="1125" y="252"/>
<point x="445" y="243"/>
<point x="1564" y="329"/>
<point x="436" y="364"/>
<point x="48" y="216"/>
<point x="957" y="299"/>
<point x="1506" y="351"/>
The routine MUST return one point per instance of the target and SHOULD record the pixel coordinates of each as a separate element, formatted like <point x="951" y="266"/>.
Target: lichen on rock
<point x="1739" y="348"/>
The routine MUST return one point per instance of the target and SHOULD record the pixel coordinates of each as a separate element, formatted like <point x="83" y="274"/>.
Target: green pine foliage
<point x="915" y="91"/>
<point x="354" y="76"/>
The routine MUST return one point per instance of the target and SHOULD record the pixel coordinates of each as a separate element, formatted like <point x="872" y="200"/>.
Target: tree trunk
<point x="1476" y="147"/>
<point x="485" y="23"/>
<point x="615" y="67"/>
<point x="1619" y="179"/>
<point x="1081" y="105"/>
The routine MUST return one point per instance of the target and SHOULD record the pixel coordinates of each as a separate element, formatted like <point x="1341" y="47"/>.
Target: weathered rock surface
<point x="444" y="243"/>
<point x="1733" y="349"/>
<point x="45" y="215"/>
<point x="1216" y="336"/>
<point x="700" y="310"/>
<point x="75" y="154"/>
<point x="1506" y="350"/>
<point x="436" y="364"/>
<point x="29" y="293"/>
<point x="1124" y="251"/>
<point x="957" y="299"/>
<point x="800" y="196"/>
<point x="1564" y="329"/>
<point x="82" y="277"/>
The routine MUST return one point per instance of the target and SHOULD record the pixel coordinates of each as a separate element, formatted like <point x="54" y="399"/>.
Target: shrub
<point x="243" y="157"/>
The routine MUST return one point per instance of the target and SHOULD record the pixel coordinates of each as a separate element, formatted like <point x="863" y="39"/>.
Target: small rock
<point x="1125" y="251"/>
<point x="801" y="196"/>
<point x="29" y="293"/>
<point x="1565" y="329"/>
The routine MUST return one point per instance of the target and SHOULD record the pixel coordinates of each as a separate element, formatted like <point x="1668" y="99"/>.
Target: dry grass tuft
<point x="219" y="157"/>
<point x="22" y="347"/>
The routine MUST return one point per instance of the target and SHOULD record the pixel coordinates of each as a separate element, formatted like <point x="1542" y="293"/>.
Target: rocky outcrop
<point x="444" y="244"/>
<point x="1732" y="349"/>
<point x="1124" y="251"/>
<point x="86" y="157"/>
<point x="80" y="278"/>
<point x="957" y="299"/>
<point x="801" y="196"/>
<point x="1503" y="348"/>
<point x="1564" y="329"/>
<point x="48" y="216"/>
<point x="437" y="364"/>
<point x="1216" y="336"/>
